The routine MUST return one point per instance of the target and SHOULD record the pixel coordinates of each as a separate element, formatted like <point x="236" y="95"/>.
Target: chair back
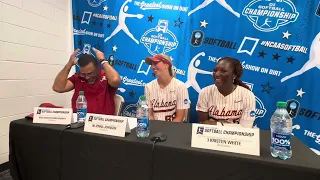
<point x="118" y="101"/>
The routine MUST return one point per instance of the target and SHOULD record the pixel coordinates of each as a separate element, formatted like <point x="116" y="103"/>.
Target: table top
<point x="179" y="137"/>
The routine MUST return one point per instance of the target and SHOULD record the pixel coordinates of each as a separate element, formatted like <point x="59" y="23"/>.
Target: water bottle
<point x="81" y="105"/>
<point x="281" y="128"/>
<point x="142" y="118"/>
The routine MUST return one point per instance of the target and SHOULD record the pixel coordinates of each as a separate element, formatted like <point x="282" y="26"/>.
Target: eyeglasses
<point x="89" y="75"/>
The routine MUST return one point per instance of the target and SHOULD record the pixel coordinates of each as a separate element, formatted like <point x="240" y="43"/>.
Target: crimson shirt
<point x="100" y="95"/>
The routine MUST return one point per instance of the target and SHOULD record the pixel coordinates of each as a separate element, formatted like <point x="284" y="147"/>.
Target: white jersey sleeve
<point x="249" y="107"/>
<point x="203" y="99"/>
<point x="183" y="98"/>
<point x="147" y="94"/>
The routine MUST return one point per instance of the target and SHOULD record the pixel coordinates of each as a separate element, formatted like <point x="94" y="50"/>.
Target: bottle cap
<point x="81" y="93"/>
<point x="143" y="98"/>
<point x="281" y="104"/>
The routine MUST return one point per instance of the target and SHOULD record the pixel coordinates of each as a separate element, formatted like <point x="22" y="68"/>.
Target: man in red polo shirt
<point x="99" y="86"/>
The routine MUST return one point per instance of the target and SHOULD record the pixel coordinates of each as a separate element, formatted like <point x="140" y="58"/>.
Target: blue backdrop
<point x="277" y="41"/>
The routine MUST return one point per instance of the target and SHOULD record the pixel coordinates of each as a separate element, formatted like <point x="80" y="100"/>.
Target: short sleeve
<point x="73" y="78"/>
<point x="202" y="104"/>
<point x="249" y="107"/>
<point x="147" y="94"/>
<point x="183" y="101"/>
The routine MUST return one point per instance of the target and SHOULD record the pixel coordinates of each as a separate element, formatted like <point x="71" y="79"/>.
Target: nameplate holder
<point x="106" y="124"/>
<point x="43" y="115"/>
<point x="228" y="139"/>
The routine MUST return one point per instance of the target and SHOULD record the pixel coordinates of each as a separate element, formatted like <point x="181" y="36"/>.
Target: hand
<point x="99" y="54"/>
<point x="73" y="58"/>
<point x="139" y="16"/>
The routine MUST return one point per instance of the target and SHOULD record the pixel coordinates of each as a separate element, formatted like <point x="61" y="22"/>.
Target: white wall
<point x="35" y="43"/>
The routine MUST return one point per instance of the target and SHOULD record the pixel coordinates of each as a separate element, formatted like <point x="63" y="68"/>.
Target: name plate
<point x="106" y="124"/>
<point x="228" y="139"/>
<point x="52" y="115"/>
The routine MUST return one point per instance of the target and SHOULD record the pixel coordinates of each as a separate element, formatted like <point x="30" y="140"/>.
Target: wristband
<point x="104" y="61"/>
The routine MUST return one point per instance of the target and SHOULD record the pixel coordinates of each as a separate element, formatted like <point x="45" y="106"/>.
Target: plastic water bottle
<point x="281" y="128"/>
<point x="142" y="118"/>
<point x="81" y="105"/>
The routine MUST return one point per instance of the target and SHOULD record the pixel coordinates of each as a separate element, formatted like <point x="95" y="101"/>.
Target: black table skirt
<point x="35" y="155"/>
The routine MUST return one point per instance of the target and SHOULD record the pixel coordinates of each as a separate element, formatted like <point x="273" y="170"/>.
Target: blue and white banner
<point x="277" y="41"/>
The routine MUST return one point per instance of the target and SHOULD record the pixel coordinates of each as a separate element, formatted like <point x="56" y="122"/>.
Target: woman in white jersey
<point x="229" y="100"/>
<point x="167" y="97"/>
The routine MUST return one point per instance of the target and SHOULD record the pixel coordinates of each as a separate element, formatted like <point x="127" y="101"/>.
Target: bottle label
<point x="82" y="113"/>
<point x="280" y="141"/>
<point x="143" y="124"/>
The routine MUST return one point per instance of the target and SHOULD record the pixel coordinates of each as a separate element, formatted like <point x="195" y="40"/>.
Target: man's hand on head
<point x="99" y="54"/>
<point x="73" y="58"/>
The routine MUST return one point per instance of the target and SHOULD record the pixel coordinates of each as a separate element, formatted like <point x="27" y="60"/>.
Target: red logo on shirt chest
<point x="215" y="112"/>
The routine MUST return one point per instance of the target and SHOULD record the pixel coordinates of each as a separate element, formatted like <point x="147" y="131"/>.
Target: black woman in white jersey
<point x="167" y="96"/>
<point x="228" y="100"/>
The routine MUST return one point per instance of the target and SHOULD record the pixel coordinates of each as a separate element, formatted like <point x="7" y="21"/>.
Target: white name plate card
<point x="228" y="139"/>
<point x="106" y="124"/>
<point x="52" y="115"/>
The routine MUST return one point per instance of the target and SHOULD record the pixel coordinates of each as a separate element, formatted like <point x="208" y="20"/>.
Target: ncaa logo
<point x="95" y="3"/>
<point x="269" y="15"/>
<point x="293" y="107"/>
<point x="196" y="38"/>
<point x="186" y="101"/>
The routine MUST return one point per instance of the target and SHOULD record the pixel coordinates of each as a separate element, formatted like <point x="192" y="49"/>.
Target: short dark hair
<point x="85" y="59"/>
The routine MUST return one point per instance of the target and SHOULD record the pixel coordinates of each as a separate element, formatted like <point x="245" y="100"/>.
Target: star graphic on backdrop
<point x="101" y="24"/>
<point x="154" y="74"/>
<point x="105" y="8"/>
<point x="98" y="46"/>
<point x="262" y="54"/>
<point x="79" y="43"/>
<point x="275" y="56"/>
<point x="290" y="60"/>
<point x="286" y="35"/>
<point x="76" y="17"/>
<point x="94" y="23"/>
<point x="171" y="58"/>
<point x="178" y="22"/>
<point x="300" y="92"/>
<point x="203" y="24"/>
<point x="150" y="18"/>
<point x="114" y="48"/>
<point x="131" y="94"/>
<point x="109" y="25"/>
<point x="266" y="88"/>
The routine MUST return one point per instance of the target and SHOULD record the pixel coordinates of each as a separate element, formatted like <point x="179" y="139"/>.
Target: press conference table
<point x="35" y="155"/>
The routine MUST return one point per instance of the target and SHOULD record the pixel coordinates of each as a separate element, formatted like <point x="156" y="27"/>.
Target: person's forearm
<point x="209" y="122"/>
<point x="111" y="74"/>
<point x="61" y="79"/>
<point x="177" y="120"/>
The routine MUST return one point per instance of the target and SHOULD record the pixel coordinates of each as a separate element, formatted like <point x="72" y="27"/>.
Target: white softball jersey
<point x="238" y="107"/>
<point x="165" y="101"/>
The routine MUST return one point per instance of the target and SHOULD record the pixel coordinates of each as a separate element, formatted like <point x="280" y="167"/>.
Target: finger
<point x="94" y="49"/>
<point x="75" y="52"/>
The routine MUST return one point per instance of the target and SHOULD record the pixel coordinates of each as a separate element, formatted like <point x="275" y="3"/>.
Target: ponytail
<point x="237" y="81"/>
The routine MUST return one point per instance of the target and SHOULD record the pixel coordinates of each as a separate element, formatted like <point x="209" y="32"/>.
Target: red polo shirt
<point x="100" y="95"/>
